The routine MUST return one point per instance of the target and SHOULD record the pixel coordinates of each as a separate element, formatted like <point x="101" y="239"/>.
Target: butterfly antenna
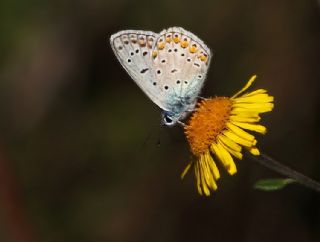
<point x="149" y="135"/>
<point x="202" y="98"/>
<point x="159" y="134"/>
<point x="181" y="123"/>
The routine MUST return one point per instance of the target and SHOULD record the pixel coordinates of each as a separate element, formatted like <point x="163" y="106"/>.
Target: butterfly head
<point x="171" y="118"/>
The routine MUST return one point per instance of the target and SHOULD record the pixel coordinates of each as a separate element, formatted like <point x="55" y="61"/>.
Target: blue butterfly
<point x="169" y="67"/>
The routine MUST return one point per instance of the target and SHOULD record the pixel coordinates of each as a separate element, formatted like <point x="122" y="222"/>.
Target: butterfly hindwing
<point x="181" y="63"/>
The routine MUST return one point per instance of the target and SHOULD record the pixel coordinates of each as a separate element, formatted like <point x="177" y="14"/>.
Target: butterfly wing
<point x="133" y="48"/>
<point x="169" y="67"/>
<point x="181" y="62"/>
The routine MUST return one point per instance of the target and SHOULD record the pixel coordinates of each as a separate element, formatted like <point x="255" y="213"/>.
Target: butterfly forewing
<point x="133" y="49"/>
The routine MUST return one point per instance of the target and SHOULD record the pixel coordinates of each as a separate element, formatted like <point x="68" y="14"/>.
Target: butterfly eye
<point x="167" y="120"/>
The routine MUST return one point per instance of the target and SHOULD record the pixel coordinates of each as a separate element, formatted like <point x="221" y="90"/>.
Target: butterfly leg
<point x="181" y="123"/>
<point x="202" y="98"/>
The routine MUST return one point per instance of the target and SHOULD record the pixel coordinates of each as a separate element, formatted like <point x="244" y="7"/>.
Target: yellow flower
<point x="216" y="130"/>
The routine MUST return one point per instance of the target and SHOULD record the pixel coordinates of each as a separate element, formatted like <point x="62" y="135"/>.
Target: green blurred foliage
<point x="273" y="184"/>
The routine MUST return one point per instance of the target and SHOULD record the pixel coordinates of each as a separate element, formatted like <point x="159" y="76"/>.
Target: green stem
<point x="276" y="166"/>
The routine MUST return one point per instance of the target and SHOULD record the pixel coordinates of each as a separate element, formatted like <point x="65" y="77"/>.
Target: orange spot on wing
<point x="154" y="54"/>
<point x="184" y="44"/>
<point x="176" y="39"/>
<point x="161" y="45"/>
<point x="193" y="48"/>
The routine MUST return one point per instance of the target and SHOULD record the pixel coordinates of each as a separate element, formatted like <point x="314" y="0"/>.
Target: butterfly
<point x="170" y="67"/>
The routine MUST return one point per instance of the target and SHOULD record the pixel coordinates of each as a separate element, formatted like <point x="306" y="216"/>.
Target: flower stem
<point x="276" y="166"/>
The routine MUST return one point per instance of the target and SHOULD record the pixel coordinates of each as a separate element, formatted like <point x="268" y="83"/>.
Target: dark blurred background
<point x="79" y="159"/>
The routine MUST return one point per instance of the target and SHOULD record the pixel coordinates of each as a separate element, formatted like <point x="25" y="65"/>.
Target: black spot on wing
<point x="174" y="70"/>
<point x="144" y="70"/>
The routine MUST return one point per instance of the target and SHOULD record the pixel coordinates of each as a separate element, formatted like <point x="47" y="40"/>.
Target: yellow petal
<point x="247" y="109"/>
<point x="230" y="143"/>
<point x="256" y="92"/>
<point x="185" y="171"/>
<point x="237" y="139"/>
<point x="204" y="186"/>
<point x="197" y="174"/>
<point x="240" y="112"/>
<point x="254" y="127"/>
<point x="215" y="170"/>
<point x="254" y="142"/>
<point x="231" y="151"/>
<point x="205" y="171"/>
<point x="225" y="158"/>
<point x="254" y="151"/>
<point x="245" y="119"/>
<point x="240" y="132"/>
<point x="249" y="83"/>
<point x="212" y="165"/>
<point x="208" y="175"/>
<point x="259" y="98"/>
<point x="254" y="106"/>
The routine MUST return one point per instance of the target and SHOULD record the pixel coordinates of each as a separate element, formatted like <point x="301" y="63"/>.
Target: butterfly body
<point x="170" y="67"/>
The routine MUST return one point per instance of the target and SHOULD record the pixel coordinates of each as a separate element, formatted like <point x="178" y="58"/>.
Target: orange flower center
<point x="207" y="122"/>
